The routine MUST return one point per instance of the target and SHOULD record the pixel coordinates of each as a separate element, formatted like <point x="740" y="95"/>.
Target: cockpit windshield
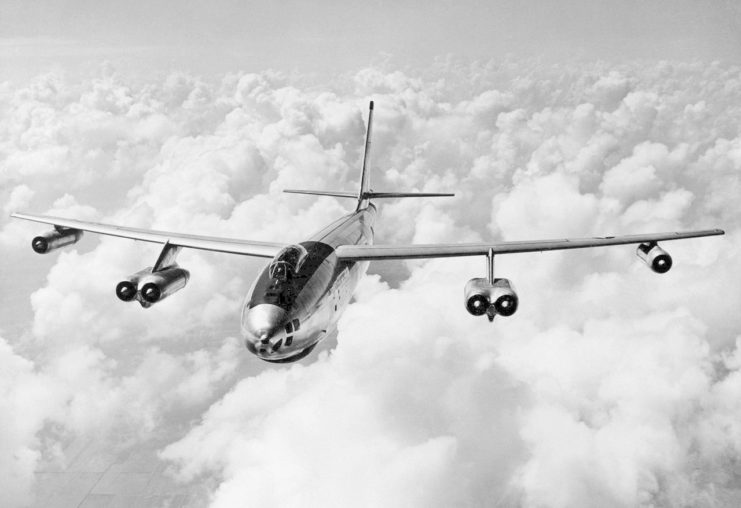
<point x="287" y="263"/>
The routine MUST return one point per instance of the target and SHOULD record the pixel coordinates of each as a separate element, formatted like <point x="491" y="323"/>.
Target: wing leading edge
<point x="211" y="243"/>
<point x="421" y="251"/>
<point x="359" y="252"/>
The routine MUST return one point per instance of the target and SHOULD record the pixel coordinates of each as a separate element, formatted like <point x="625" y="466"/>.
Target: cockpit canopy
<point x="287" y="263"/>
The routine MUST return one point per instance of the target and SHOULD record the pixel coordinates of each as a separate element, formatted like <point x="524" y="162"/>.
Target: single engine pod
<point x="55" y="239"/>
<point x="655" y="257"/>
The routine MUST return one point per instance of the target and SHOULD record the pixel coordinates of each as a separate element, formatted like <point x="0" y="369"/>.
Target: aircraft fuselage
<point x="283" y="318"/>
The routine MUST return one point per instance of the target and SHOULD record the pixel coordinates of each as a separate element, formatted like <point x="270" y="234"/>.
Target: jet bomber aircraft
<point x="298" y="298"/>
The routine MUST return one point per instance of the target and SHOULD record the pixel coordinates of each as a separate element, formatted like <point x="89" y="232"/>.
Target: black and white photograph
<point x="407" y="254"/>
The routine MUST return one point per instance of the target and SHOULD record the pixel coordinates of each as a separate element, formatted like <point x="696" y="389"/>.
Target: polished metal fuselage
<point x="283" y="320"/>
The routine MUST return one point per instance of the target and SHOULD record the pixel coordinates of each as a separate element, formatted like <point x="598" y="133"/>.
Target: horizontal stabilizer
<point x="374" y="195"/>
<point x="353" y="195"/>
<point x="370" y="195"/>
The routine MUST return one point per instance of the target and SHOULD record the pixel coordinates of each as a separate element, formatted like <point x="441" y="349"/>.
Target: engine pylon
<point x="490" y="296"/>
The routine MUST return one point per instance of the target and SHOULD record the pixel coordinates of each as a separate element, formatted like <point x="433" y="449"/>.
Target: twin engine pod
<point x="483" y="297"/>
<point x="55" y="239"/>
<point x="149" y="288"/>
<point x="655" y="257"/>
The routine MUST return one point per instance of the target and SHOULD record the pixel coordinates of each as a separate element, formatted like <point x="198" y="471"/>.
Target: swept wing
<point x="420" y="251"/>
<point x="228" y="245"/>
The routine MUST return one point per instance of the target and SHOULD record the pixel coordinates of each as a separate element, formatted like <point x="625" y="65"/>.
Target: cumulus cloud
<point x="611" y="385"/>
<point x="364" y="416"/>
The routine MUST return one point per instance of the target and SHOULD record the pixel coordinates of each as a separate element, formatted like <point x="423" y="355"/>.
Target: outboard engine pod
<point x="655" y="257"/>
<point x="55" y="239"/>
<point x="159" y="285"/>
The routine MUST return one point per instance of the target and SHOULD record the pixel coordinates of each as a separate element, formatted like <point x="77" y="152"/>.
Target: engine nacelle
<point x="55" y="239"/>
<point x="481" y="297"/>
<point x="655" y="257"/>
<point x="159" y="285"/>
<point x="128" y="289"/>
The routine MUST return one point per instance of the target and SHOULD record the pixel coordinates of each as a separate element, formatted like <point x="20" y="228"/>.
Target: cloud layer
<point x="611" y="386"/>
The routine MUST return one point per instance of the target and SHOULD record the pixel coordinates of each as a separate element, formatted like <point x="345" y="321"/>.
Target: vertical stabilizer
<point x="365" y="194"/>
<point x="363" y="199"/>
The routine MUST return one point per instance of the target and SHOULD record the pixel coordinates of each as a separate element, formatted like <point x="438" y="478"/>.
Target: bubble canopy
<point x="287" y="262"/>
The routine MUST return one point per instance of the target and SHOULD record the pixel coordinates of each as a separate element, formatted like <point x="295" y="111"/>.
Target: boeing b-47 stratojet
<point x="298" y="298"/>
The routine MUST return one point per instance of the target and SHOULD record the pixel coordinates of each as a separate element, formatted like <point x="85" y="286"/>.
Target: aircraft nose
<point x="260" y="324"/>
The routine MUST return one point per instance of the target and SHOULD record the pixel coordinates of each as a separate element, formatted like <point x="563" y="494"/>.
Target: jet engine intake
<point x="482" y="297"/>
<point x="127" y="289"/>
<point x="161" y="284"/>
<point x="55" y="239"/>
<point x="655" y="257"/>
<point x="505" y="298"/>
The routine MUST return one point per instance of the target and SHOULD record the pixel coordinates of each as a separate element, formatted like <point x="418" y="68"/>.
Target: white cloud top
<point x="612" y="386"/>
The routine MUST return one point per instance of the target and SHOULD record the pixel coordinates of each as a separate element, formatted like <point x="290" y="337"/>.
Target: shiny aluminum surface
<point x="263" y="329"/>
<point x="313" y="297"/>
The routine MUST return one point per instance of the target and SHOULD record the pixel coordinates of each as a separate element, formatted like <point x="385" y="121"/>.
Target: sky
<point x="611" y="385"/>
<point x="320" y="39"/>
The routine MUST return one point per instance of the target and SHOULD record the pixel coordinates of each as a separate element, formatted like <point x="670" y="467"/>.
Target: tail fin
<point x="364" y="195"/>
<point x="363" y="199"/>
